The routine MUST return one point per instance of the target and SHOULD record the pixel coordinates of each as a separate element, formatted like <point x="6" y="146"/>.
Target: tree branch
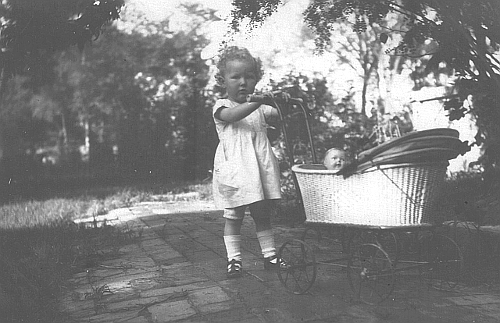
<point x="404" y="11"/>
<point x="480" y="56"/>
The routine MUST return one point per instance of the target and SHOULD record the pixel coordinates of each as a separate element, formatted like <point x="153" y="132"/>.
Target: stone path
<point x="175" y="273"/>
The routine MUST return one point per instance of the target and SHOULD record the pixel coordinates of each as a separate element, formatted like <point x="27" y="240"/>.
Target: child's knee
<point x="236" y="214"/>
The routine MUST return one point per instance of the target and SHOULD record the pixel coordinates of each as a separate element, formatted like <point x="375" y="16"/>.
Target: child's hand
<point x="285" y="96"/>
<point x="278" y="96"/>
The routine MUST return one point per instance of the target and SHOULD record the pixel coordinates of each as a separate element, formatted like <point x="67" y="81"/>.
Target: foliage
<point x="333" y="123"/>
<point x="33" y="29"/>
<point x="256" y="10"/>
<point x="463" y="35"/>
<point x="133" y="104"/>
<point x="320" y="16"/>
<point x="17" y="122"/>
<point x="156" y="92"/>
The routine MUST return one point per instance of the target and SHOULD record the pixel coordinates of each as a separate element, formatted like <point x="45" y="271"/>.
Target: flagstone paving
<point x="174" y="272"/>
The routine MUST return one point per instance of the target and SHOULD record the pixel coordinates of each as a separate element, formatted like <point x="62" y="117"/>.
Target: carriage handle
<point x="274" y="99"/>
<point x="266" y="98"/>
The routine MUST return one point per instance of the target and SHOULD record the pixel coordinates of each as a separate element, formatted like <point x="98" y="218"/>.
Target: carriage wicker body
<point x="389" y="195"/>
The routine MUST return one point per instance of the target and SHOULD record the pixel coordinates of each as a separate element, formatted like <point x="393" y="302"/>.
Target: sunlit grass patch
<point x="41" y="246"/>
<point x="30" y="214"/>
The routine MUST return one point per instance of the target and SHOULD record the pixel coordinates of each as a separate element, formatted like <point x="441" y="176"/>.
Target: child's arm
<point x="237" y="113"/>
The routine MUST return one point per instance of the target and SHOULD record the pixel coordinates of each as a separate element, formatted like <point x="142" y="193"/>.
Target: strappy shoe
<point x="273" y="263"/>
<point x="234" y="269"/>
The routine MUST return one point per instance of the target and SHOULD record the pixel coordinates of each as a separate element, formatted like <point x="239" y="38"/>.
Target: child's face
<point x="240" y="80"/>
<point x="335" y="160"/>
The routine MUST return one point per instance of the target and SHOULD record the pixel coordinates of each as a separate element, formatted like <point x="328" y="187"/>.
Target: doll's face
<point x="335" y="159"/>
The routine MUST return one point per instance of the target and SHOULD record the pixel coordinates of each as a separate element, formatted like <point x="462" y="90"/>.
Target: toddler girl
<point x="246" y="172"/>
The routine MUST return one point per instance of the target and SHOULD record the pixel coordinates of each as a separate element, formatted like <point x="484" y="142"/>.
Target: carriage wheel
<point x="474" y="249"/>
<point x="299" y="273"/>
<point x="386" y="240"/>
<point x="409" y="244"/>
<point x="370" y="273"/>
<point x="477" y="257"/>
<point x="324" y="244"/>
<point x="390" y="243"/>
<point x="313" y="238"/>
<point x="445" y="260"/>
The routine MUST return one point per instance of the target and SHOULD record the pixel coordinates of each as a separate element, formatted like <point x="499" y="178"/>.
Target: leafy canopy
<point x="32" y="30"/>
<point x="467" y="32"/>
<point x="463" y="35"/>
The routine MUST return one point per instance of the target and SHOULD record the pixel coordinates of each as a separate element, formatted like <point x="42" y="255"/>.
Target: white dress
<point x="245" y="167"/>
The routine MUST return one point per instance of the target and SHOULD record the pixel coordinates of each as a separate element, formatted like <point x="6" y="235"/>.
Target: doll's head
<point x="335" y="159"/>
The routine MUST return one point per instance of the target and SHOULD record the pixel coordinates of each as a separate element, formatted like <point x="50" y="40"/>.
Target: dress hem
<point x="245" y="203"/>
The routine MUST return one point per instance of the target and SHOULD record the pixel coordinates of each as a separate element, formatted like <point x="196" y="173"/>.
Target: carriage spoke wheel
<point x="299" y="272"/>
<point x="313" y="238"/>
<point x="445" y="261"/>
<point x="389" y="241"/>
<point x="474" y="249"/>
<point x="408" y="244"/>
<point x="370" y="273"/>
<point x="386" y="240"/>
<point x="325" y="244"/>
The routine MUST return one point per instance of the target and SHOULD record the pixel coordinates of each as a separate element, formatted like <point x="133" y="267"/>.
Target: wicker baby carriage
<point x="391" y="188"/>
<point x="393" y="184"/>
<point x="386" y="195"/>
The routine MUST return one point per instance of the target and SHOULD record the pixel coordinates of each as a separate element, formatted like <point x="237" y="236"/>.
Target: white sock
<point x="266" y="241"/>
<point x="233" y="247"/>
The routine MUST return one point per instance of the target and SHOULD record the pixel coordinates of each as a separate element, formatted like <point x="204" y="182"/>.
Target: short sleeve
<point x="218" y="104"/>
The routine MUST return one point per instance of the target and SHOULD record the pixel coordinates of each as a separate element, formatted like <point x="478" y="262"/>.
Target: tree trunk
<point x="87" y="144"/>
<point x="191" y="144"/>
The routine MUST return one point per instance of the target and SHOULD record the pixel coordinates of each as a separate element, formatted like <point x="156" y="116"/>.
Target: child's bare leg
<point x="262" y="223"/>
<point x="232" y="227"/>
<point x="261" y="214"/>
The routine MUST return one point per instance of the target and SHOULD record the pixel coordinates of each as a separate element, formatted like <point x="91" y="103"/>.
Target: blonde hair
<point x="235" y="53"/>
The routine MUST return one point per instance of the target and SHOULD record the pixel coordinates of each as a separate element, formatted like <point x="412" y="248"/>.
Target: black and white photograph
<point x="254" y="161"/>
